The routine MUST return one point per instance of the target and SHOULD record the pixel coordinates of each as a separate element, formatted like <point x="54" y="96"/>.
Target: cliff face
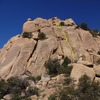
<point x="22" y="56"/>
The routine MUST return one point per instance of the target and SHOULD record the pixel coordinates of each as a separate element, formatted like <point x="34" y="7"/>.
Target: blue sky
<point x="13" y="13"/>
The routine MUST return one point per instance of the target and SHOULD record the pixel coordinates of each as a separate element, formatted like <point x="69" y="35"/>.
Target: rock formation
<point x="27" y="56"/>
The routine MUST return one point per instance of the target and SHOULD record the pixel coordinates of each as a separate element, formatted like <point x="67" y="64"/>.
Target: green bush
<point x="55" y="68"/>
<point x="15" y="86"/>
<point x="68" y="81"/>
<point x="62" y="23"/>
<point x="86" y="90"/>
<point x="32" y="91"/>
<point x="17" y="82"/>
<point x="52" y="97"/>
<point x="35" y="79"/>
<point x="64" y="67"/>
<point x="84" y="26"/>
<point x="27" y="35"/>
<point x="52" y="66"/>
<point x="41" y="36"/>
<point x="3" y="90"/>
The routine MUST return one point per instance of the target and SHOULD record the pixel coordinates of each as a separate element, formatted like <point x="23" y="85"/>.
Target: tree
<point x="84" y="26"/>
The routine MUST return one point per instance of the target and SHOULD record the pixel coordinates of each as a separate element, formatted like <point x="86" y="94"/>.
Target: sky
<point x="13" y="13"/>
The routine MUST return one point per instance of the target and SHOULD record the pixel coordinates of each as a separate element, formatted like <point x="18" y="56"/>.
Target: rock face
<point x="27" y="56"/>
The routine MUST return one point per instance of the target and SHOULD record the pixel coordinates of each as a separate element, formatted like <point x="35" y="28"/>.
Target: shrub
<point x="27" y="35"/>
<point x="86" y="90"/>
<point x="2" y="88"/>
<point x="41" y="36"/>
<point x="16" y="81"/>
<point x="52" y="66"/>
<point x="84" y="26"/>
<point x="52" y="97"/>
<point x="55" y="68"/>
<point x="31" y="78"/>
<point x="62" y="23"/>
<point x="64" y="67"/>
<point x="38" y="77"/>
<point x="16" y="97"/>
<point x="68" y="81"/>
<point x="32" y="91"/>
<point x="35" y="79"/>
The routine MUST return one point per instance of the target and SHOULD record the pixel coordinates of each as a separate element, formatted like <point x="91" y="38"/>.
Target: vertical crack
<point x="33" y="51"/>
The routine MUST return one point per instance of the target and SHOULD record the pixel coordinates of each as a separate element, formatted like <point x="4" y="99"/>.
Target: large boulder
<point x="80" y="70"/>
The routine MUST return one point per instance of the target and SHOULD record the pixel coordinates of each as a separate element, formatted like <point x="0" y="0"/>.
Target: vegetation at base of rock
<point x="86" y="90"/>
<point x="27" y="35"/>
<point x="52" y="97"/>
<point x="32" y="91"/>
<point x="35" y="79"/>
<point x="54" y="67"/>
<point x="41" y="36"/>
<point x="15" y="86"/>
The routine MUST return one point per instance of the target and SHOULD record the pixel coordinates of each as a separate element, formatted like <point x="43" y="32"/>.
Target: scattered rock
<point x="7" y="97"/>
<point x="34" y="97"/>
<point x="97" y="79"/>
<point x="45" y="77"/>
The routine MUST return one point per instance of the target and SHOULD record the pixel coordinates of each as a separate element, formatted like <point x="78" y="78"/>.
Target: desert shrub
<point x="52" y="97"/>
<point x="52" y="66"/>
<point x="68" y="81"/>
<point x="35" y="79"/>
<point x="64" y="67"/>
<point x="31" y="78"/>
<point x="84" y="26"/>
<point x="3" y="90"/>
<point x="41" y="36"/>
<point x="16" y="81"/>
<point x="98" y="53"/>
<point x="55" y="68"/>
<point x="86" y="90"/>
<point x="28" y="99"/>
<point x="27" y="35"/>
<point x="62" y="23"/>
<point x="38" y="77"/>
<point x="32" y="91"/>
<point x="16" y="97"/>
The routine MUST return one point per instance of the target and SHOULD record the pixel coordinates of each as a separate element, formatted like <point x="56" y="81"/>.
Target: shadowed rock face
<point x="27" y="56"/>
